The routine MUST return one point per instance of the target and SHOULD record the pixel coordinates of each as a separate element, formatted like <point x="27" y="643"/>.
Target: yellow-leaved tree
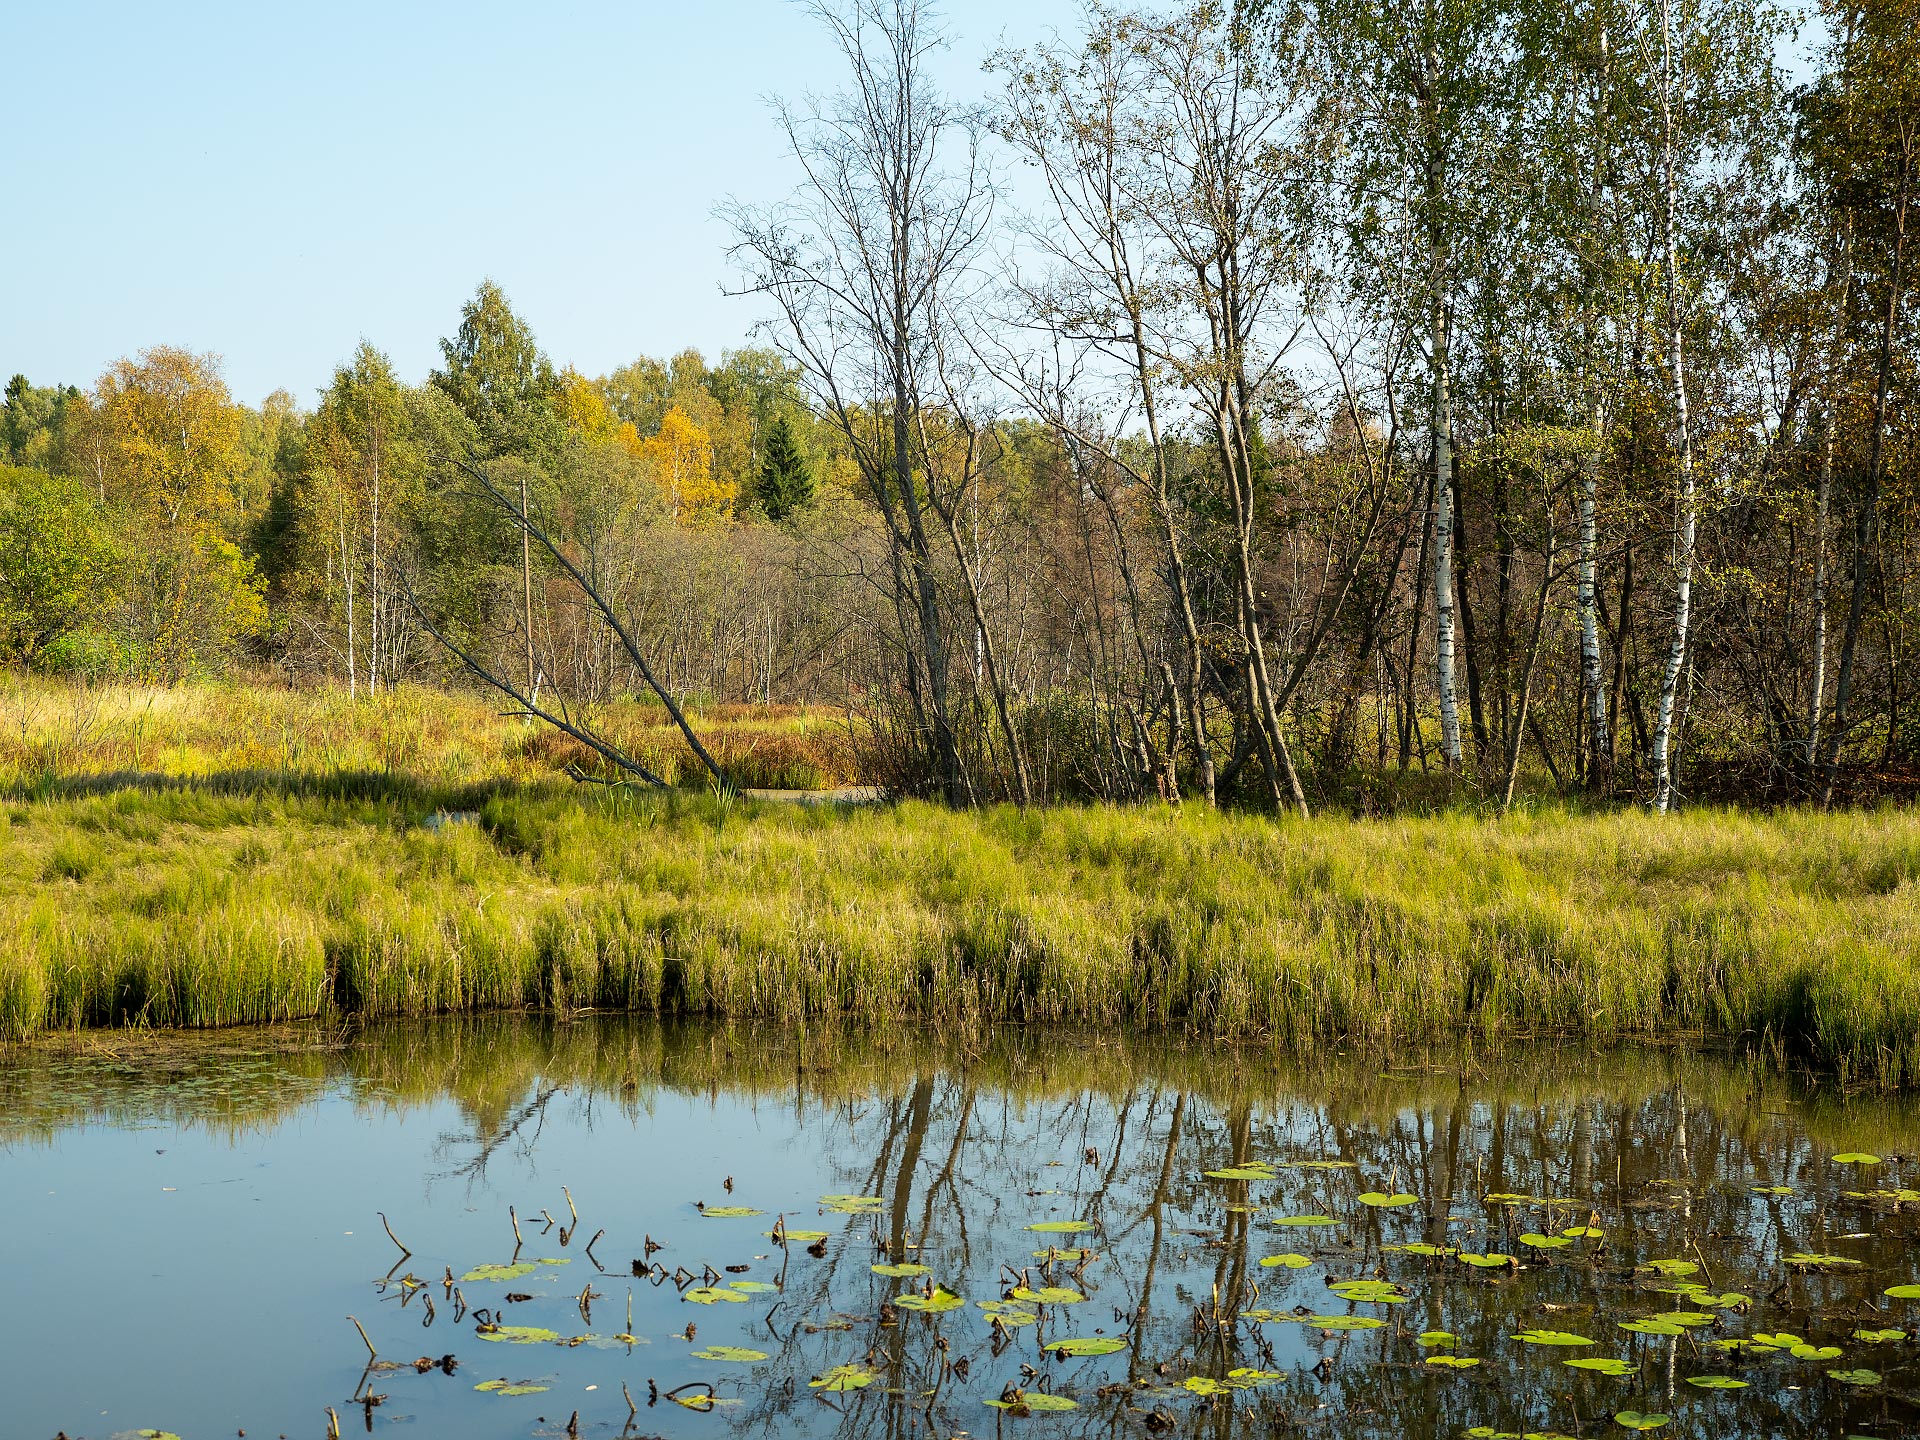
<point x="171" y="454"/>
<point x="681" y="456"/>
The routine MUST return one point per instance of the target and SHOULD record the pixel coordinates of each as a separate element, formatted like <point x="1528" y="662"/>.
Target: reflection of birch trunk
<point x="1162" y="1186"/>
<point x="918" y="1110"/>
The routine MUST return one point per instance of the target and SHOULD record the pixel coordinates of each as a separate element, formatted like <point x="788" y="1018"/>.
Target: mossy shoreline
<point x="1794" y="932"/>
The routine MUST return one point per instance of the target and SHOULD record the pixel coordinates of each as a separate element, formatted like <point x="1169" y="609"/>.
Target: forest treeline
<point x="1269" y="402"/>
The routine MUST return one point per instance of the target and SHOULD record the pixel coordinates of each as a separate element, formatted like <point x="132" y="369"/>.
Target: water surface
<point x="191" y="1222"/>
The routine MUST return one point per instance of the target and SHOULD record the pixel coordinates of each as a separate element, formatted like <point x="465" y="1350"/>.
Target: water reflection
<point x="276" y="1146"/>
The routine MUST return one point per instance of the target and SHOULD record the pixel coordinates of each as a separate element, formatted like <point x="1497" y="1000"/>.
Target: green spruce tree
<point x="784" y="485"/>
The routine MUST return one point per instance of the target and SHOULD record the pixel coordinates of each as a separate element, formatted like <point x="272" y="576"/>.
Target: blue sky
<point x="272" y="180"/>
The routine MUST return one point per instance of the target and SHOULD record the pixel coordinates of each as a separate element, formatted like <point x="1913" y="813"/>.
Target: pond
<point x="745" y="1232"/>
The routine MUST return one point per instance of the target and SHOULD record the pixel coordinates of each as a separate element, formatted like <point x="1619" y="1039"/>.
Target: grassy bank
<point x="191" y="906"/>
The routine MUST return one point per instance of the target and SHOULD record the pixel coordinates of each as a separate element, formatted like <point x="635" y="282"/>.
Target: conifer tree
<point x="785" y="484"/>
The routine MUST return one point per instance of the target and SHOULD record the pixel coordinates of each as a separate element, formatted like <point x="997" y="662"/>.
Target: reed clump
<point x="198" y="906"/>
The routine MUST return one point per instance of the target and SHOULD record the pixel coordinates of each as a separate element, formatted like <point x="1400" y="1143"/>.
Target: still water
<point x="745" y="1232"/>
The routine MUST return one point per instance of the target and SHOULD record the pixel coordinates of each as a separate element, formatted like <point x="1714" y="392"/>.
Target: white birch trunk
<point x="1443" y="541"/>
<point x="1817" y="686"/>
<point x="1686" y="518"/>
<point x="1592" y="683"/>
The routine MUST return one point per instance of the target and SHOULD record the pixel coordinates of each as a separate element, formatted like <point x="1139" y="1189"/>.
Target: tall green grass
<point x="191" y="907"/>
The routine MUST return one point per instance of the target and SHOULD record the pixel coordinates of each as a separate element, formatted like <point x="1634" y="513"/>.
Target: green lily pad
<point x="518" y="1334"/>
<point x="1818" y="1262"/>
<point x="1634" y="1420"/>
<point x="1493" y="1260"/>
<point x="1716" y="1382"/>
<point x="1304" y="1221"/>
<point x="1454" y="1362"/>
<point x="1008" y="1313"/>
<point x="1781" y="1341"/>
<point x="498" y="1272"/>
<point x="713" y="1295"/>
<point x="1856" y="1157"/>
<point x="1815" y="1352"/>
<point x="1340" y="1322"/>
<point x="1061" y="1227"/>
<point x="1552" y="1337"/>
<point x="730" y="1212"/>
<point x="1048" y="1295"/>
<point x="940" y="1300"/>
<point x="753" y="1287"/>
<point x="1087" y="1345"/>
<point x="1603" y="1366"/>
<point x="1317" y="1164"/>
<point x="905" y="1270"/>
<point x="736" y="1354"/>
<point x="1545" y="1242"/>
<point x="853" y="1204"/>
<point x="1771" y="1189"/>
<point x="1037" y="1401"/>
<point x="1878" y="1337"/>
<point x="1688" y="1319"/>
<point x="1677" y="1269"/>
<point x="1903" y="1292"/>
<point x="843" y="1377"/>
<point x="1287" y="1261"/>
<point x="1252" y="1170"/>
<point x="1429" y="1338"/>
<point x="1855" y="1377"/>
<point x="1651" y="1326"/>
<point x="1370" y="1292"/>
<point x="1583" y="1232"/>
<point x="1424" y="1250"/>
<point x="509" y="1387"/>
<point x="802" y="1237"/>
<point x="1379" y="1201"/>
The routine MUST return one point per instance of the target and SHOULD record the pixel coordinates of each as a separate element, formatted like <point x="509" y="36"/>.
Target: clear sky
<point x="274" y="180"/>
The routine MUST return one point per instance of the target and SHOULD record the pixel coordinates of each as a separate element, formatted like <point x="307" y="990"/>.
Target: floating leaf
<point x="1819" y="1262"/>
<point x="1716" y="1382"/>
<point x="753" y="1287"/>
<point x="499" y="1272"/>
<point x="1687" y="1318"/>
<point x="1583" y="1232"/>
<point x="508" y="1387"/>
<point x="941" y="1299"/>
<point x="1856" y="1157"/>
<point x="1815" y="1352"/>
<point x="1252" y="1170"/>
<point x="1429" y="1338"/>
<point x="1048" y="1295"/>
<point x="1370" y="1292"/>
<point x="803" y="1237"/>
<point x="1288" y="1261"/>
<point x="1782" y="1341"/>
<point x="517" y="1334"/>
<point x="1207" y="1385"/>
<point x="1552" y="1337"/>
<point x="901" y="1271"/>
<point x="1421" y="1248"/>
<point x="1008" y="1313"/>
<point x="730" y="1212"/>
<point x="1675" y="1268"/>
<point x="1317" y="1164"/>
<point x="1087" y="1345"/>
<point x="1061" y="1227"/>
<point x="1855" y="1377"/>
<point x="1634" y="1420"/>
<point x="713" y="1295"/>
<point x="843" y="1377"/>
<point x="1454" y="1362"/>
<point x="1341" y="1322"/>
<point x="1771" y="1189"/>
<point x="1037" y="1401"/>
<point x="1491" y="1261"/>
<point x="1903" y="1292"/>
<point x="1545" y="1242"/>
<point x="1653" y="1327"/>
<point x="1603" y="1366"/>
<point x="1380" y="1201"/>
<point x="853" y="1204"/>
<point x="732" y="1353"/>
<point x="1304" y="1221"/>
<point x="1877" y="1337"/>
<point x="1243" y="1377"/>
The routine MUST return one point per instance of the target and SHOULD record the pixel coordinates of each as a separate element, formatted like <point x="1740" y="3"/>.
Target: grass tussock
<point x="195" y="906"/>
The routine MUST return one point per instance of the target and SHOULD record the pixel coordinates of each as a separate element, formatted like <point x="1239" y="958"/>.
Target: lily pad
<point x="905" y="1270"/>
<point x="1855" y="1377"/>
<point x="1634" y="1420"/>
<point x="1454" y="1362"/>
<point x="1061" y="1227"/>
<point x="505" y="1387"/>
<point x="1048" y="1295"/>
<point x="843" y="1377"/>
<point x="498" y="1272"/>
<point x="1877" y="1337"/>
<point x="1903" y="1292"/>
<point x="1370" y="1292"/>
<point x="1087" y="1345"/>
<point x="1545" y="1242"/>
<point x="1287" y="1261"/>
<point x="1603" y="1365"/>
<point x="1856" y="1157"/>
<point x="713" y="1295"/>
<point x="753" y="1287"/>
<point x="1317" y="1164"/>
<point x="738" y="1354"/>
<point x="1815" y="1352"/>
<point x="1652" y="1326"/>
<point x="1341" y="1322"/>
<point x="518" y="1334"/>
<point x="1304" y="1221"/>
<point x="1429" y="1338"/>
<point x="1716" y="1382"/>
<point x="853" y="1204"/>
<point x="1807" y="1260"/>
<point x="1252" y="1170"/>
<point x="1491" y="1261"/>
<point x="1677" y="1269"/>
<point x="1037" y="1401"/>
<point x="730" y="1212"/>
<point x="1552" y="1337"/>
<point x="1380" y="1201"/>
<point x="1771" y="1189"/>
<point x="941" y="1299"/>
<point x="803" y="1237"/>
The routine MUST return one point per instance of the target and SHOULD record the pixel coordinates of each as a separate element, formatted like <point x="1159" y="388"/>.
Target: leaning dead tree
<point x="559" y="714"/>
